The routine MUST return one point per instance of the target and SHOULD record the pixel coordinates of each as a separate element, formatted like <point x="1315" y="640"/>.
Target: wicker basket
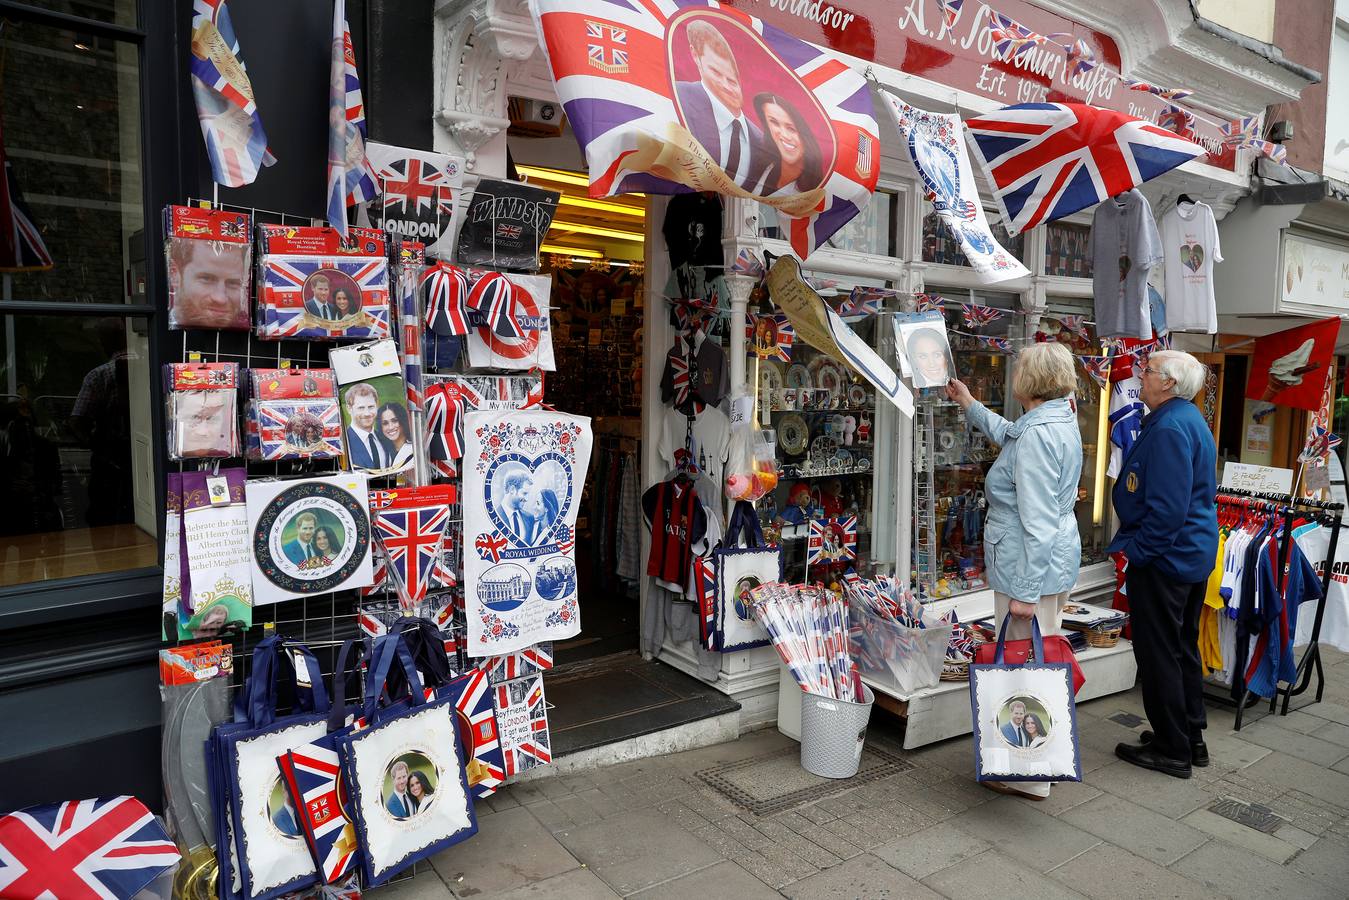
<point x="1103" y="637"/>
<point x="955" y="670"/>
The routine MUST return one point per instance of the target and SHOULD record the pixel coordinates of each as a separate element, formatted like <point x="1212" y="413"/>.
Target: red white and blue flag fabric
<point x="235" y="141"/>
<point x="311" y="774"/>
<point x="351" y="177"/>
<point x="522" y="716"/>
<point x="104" y="849"/>
<point x="412" y="538"/>
<point x="831" y="541"/>
<point x="705" y="586"/>
<point x="644" y="116"/>
<point x="528" y="661"/>
<point x="485" y="764"/>
<point x="1049" y="160"/>
<point x="21" y="246"/>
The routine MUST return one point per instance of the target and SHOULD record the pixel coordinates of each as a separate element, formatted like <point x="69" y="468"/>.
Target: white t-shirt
<point x="709" y="443"/>
<point x="1190" y="239"/>
<point x="1314" y="543"/>
<point x="1126" y="420"/>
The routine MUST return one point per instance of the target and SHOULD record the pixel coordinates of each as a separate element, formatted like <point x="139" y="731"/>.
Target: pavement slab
<point x="1108" y="873"/>
<point x="1032" y="838"/>
<point x="578" y="884"/>
<point x="1268" y="733"/>
<point x="636" y="850"/>
<point x="994" y="875"/>
<point x="862" y="876"/>
<point x="1137" y="829"/>
<point x="928" y="851"/>
<point x="520" y="849"/>
<point x="1240" y="874"/>
<point x="1172" y="797"/>
<point x="725" y="879"/>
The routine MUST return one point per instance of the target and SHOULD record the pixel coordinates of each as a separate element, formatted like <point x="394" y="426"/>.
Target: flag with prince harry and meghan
<point x="667" y="96"/>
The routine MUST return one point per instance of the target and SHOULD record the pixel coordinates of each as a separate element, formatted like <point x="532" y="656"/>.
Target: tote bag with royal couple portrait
<point x="739" y="570"/>
<point x="1025" y="718"/>
<point x="260" y="849"/>
<point x="405" y="770"/>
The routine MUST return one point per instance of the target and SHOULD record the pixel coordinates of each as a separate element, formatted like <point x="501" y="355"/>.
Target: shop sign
<point x="1315" y="274"/>
<point x="1258" y="479"/>
<point x="914" y="38"/>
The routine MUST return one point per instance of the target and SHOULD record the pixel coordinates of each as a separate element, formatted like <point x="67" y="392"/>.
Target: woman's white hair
<point x="1187" y="374"/>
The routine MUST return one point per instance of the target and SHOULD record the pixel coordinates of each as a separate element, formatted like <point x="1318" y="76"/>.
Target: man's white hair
<point x="1187" y="374"/>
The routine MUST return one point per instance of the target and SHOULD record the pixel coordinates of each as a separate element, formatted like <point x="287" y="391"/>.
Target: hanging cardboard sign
<point x="418" y="196"/>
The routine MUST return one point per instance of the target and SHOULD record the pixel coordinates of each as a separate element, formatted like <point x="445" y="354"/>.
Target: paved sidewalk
<point x="914" y="824"/>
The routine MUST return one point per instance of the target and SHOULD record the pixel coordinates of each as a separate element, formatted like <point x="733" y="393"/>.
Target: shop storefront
<point x="80" y="622"/>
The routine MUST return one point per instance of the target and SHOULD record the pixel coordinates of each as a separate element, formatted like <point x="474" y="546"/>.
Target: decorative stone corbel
<point x="475" y="42"/>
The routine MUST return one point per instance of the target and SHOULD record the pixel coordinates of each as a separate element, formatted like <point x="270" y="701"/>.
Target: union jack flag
<point x="996" y="343"/>
<point x="489" y="546"/>
<point x="1081" y="58"/>
<point x="538" y="658"/>
<point x="351" y="178"/>
<point x="928" y="303"/>
<point x="277" y="422"/>
<point x="1098" y="367"/>
<point x="1177" y="119"/>
<point x="529" y="745"/>
<point x="832" y="540"/>
<point x="446" y="288"/>
<point x="747" y="262"/>
<point x="1243" y="132"/>
<point x="411" y="326"/>
<point x="976" y="315"/>
<point x="1049" y="160"/>
<point x="622" y="115"/>
<point x="493" y="297"/>
<point x="281" y="300"/>
<point x="864" y="301"/>
<point x="1011" y="39"/>
<point x="609" y="52"/>
<point x="1319" y="443"/>
<point x="311" y="774"/>
<point x="705" y="584"/>
<point x="104" y="849"/>
<point x="1077" y="325"/>
<point x="21" y="246"/>
<point x="473" y="697"/>
<point x="950" y="15"/>
<point x="412" y="186"/>
<point x="1138" y="84"/>
<point x="412" y="540"/>
<point x="237" y="148"/>
<point x="784" y="336"/>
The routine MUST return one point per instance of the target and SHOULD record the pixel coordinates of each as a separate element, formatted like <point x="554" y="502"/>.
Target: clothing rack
<point x="1327" y="514"/>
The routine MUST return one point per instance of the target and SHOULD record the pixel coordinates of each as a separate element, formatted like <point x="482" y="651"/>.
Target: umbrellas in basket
<point x="809" y="627"/>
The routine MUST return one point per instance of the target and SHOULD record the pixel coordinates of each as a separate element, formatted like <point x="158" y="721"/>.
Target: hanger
<point x="1185" y="198"/>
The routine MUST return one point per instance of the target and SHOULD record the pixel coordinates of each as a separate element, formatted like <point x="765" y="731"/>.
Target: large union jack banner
<point x="235" y="141"/>
<point x="671" y="95"/>
<point x="104" y="849"/>
<point x="286" y="309"/>
<point x="1049" y="160"/>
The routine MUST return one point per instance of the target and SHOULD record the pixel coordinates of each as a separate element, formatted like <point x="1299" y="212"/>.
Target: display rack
<point x="925" y="561"/>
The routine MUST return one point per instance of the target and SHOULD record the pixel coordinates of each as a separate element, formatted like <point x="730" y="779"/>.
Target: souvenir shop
<point x="514" y="406"/>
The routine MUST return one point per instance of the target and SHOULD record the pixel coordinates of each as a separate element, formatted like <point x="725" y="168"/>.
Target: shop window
<point x="1066" y="250"/>
<point x="113" y="12"/>
<point x="77" y="485"/>
<point x="1337" y="82"/>
<point x="941" y="247"/>
<point x="870" y="231"/>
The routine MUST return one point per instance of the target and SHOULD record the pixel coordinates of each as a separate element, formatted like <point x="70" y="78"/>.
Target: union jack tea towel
<point x="314" y="286"/>
<point x="522" y="716"/>
<point x="648" y="121"/>
<point x="419" y="191"/>
<point x="110" y="847"/>
<point x="528" y="661"/>
<point x="523" y="476"/>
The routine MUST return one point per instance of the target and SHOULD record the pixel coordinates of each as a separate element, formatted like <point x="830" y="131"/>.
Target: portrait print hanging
<point x="523" y="475"/>
<point x="309" y="536"/>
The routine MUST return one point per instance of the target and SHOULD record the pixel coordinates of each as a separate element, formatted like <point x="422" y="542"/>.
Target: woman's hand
<point x="958" y="393"/>
<point x="1019" y="609"/>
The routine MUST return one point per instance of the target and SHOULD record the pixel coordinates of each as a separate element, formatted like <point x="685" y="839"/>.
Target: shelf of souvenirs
<point x="803" y="472"/>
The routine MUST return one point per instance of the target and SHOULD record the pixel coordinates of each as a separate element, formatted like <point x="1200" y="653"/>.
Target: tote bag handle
<point x="353" y="654"/>
<point x="1037" y="642"/>
<point x="743" y="519"/>
<point x="273" y="660"/>
<point x="427" y="645"/>
<point x="387" y="649"/>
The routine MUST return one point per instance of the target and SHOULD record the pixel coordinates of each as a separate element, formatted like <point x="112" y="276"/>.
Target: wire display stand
<point x="925" y="560"/>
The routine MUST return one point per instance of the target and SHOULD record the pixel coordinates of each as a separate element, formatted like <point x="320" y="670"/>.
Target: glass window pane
<point x="1066" y="250"/>
<point x="941" y="247"/>
<point x="76" y="482"/>
<point x="114" y="12"/>
<point x="870" y="231"/>
<point x="72" y="128"/>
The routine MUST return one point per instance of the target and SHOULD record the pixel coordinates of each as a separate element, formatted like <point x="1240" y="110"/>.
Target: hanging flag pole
<point x="351" y="178"/>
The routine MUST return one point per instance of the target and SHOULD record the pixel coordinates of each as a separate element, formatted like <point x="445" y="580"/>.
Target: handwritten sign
<point x="1263" y="479"/>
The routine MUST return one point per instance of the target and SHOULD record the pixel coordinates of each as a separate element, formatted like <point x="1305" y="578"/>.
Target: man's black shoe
<point x="1198" y="750"/>
<point x="1144" y="757"/>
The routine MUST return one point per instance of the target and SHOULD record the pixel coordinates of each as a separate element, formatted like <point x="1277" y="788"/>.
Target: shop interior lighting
<point x="557" y="176"/>
<point x="570" y="251"/>
<point x="597" y="231"/>
<point x="603" y="206"/>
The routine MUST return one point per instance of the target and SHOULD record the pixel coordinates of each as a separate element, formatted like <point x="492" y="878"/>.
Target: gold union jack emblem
<point x="607" y="47"/>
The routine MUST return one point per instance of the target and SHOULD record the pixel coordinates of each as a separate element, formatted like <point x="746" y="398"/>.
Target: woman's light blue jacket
<point x="1031" y="544"/>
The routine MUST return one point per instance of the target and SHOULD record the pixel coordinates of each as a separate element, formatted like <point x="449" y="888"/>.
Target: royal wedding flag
<point x="523" y="474"/>
<point x="664" y="96"/>
<point x="936" y="144"/>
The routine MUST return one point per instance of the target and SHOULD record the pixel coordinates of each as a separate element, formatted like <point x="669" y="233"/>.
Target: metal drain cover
<point x="1128" y="720"/>
<point x="769" y="784"/>
<point x="1252" y="815"/>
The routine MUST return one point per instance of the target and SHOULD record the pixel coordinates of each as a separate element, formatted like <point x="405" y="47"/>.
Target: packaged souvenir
<point x="293" y="414"/>
<point x="505" y="225"/>
<point x="376" y="427"/>
<point x="509" y="324"/>
<point x="207" y="255"/>
<point x="203" y="409"/>
<point x="314" y="286"/>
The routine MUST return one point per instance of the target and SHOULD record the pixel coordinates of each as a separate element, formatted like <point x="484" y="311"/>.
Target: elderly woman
<point x="1031" y="546"/>
<point x="1168" y="530"/>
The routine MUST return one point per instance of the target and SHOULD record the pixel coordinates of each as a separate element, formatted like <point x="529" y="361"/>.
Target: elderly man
<point x="1169" y="533"/>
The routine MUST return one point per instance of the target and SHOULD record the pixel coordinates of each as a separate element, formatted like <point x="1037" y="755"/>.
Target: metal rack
<point x="925" y="561"/>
